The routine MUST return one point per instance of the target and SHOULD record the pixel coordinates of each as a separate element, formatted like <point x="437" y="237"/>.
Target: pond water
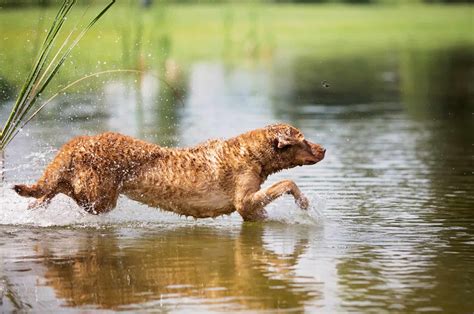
<point x="391" y="224"/>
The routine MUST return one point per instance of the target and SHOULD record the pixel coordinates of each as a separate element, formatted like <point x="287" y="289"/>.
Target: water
<point x="391" y="224"/>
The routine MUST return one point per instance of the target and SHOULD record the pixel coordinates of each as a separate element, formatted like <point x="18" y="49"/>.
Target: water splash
<point x="286" y="211"/>
<point x="64" y="212"/>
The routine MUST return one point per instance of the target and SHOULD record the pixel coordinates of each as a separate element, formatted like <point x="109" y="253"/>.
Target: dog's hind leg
<point x="101" y="205"/>
<point x="44" y="190"/>
<point x="47" y="186"/>
<point x="94" y="193"/>
<point x="43" y="196"/>
<point x="43" y="201"/>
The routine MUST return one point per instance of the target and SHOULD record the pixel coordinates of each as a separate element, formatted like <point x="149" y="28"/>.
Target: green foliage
<point x="44" y="69"/>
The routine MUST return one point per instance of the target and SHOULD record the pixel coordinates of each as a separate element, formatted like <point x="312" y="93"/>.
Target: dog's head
<point x="291" y="147"/>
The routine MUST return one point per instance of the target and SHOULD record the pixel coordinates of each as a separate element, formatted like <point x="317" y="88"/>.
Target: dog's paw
<point x="302" y="202"/>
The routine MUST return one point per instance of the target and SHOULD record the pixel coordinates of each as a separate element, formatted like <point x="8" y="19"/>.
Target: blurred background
<point x="385" y="85"/>
<point x="285" y="54"/>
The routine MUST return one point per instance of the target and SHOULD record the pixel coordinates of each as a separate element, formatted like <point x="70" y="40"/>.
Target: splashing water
<point x="285" y="210"/>
<point x="64" y="212"/>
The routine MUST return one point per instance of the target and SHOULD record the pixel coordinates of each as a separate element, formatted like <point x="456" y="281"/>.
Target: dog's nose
<point x="324" y="150"/>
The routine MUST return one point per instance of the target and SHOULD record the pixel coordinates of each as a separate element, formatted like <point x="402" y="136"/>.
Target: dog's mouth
<point x="313" y="160"/>
<point x="317" y="154"/>
<point x="311" y="154"/>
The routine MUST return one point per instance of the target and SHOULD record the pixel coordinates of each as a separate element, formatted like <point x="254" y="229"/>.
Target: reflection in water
<point x="363" y="282"/>
<point x="9" y="292"/>
<point x="427" y="82"/>
<point x="439" y="86"/>
<point x="170" y="105"/>
<point x="207" y="265"/>
<point x="148" y="106"/>
<point x="338" y="81"/>
<point x="219" y="100"/>
<point x="438" y="83"/>
<point x="398" y="276"/>
<point x="447" y="152"/>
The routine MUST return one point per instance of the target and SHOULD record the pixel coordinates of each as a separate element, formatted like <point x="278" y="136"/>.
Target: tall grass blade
<point x="55" y="69"/>
<point x="36" y="69"/>
<point x="43" y="71"/>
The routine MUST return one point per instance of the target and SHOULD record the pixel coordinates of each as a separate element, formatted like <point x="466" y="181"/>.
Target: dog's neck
<point x="271" y="163"/>
<point x="263" y="152"/>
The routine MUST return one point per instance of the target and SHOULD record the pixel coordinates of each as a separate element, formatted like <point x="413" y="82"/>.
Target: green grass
<point x="237" y="32"/>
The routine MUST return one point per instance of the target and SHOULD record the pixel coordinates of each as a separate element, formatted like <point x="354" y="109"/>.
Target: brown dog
<point x="209" y="180"/>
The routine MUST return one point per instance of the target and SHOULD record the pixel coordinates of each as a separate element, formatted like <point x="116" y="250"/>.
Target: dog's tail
<point x="29" y="191"/>
<point x="48" y="183"/>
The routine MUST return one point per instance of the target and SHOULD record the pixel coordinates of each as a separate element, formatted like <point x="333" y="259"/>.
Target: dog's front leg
<point x="266" y="196"/>
<point x="250" y="203"/>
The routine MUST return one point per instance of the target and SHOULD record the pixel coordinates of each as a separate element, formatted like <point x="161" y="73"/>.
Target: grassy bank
<point x="132" y="37"/>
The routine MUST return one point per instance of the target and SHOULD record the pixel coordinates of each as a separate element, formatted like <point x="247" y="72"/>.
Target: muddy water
<point x="391" y="225"/>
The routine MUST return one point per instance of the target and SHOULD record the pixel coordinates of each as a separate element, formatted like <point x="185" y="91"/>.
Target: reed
<point x="46" y="66"/>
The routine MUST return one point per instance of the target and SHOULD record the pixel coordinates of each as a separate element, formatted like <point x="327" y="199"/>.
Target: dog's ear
<point x="285" y="140"/>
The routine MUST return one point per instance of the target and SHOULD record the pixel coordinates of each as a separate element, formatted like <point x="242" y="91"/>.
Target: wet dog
<point x="212" y="179"/>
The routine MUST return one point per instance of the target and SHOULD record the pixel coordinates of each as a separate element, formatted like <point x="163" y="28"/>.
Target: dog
<point x="214" y="178"/>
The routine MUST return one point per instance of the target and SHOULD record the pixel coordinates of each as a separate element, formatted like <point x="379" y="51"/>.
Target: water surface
<point x="390" y="226"/>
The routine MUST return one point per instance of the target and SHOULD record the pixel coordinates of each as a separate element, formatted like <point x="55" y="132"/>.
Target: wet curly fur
<point x="215" y="178"/>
